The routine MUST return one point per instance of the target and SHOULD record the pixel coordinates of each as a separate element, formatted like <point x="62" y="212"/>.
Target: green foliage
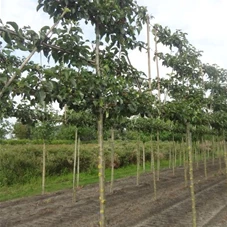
<point x="44" y="131"/>
<point x="22" y="131"/>
<point x="67" y="132"/>
<point x="26" y="141"/>
<point x="22" y="163"/>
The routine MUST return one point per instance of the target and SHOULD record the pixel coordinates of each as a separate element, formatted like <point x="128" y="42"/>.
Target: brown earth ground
<point x="129" y="205"/>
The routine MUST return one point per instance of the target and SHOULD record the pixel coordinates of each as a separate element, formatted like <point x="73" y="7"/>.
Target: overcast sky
<point x="203" y="20"/>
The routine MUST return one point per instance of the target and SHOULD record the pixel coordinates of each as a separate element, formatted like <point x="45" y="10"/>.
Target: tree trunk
<point x="44" y="168"/>
<point x="138" y="163"/>
<point x="174" y="157"/>
<point x="170" y="158"/>
<point x="173" y="162"/>
<point x="101" y="168"/>
<point x="153" y="170"/>
<point x="220" y="157"/>
<point x="205" y="163"/>
<point x="78" y="164"/>
<point x="158" y="156"/>
<point x="185" y="169"/>
<point x="144" y="158"/>
<point x="191" y="175"/>
<point x="213" y="150"/>
<point x="74" y="168"/>
<point x="112" y="161"/>
<point x="149" y="52"/>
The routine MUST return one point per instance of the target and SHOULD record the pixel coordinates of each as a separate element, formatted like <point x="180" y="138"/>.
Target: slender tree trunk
<point x="152" y="156"/>
<point x="158" y="156"/>
<point x="159" y="101"/>
<point x="173" y="163"/>
<point x="204" y="158"/>
<point x="44" y="168"/>
<point x="181" y="150"/>
<point x="153" y="170"/>
<point x="101" y="167"/>
<point x="175" y="153"/>
<point x="180" y="155"/>
<point x="157" y="67"/>
<point x="213" y="150"/>
<point x="74" y="168"/>
<point x="78" y="165"/>
<point x="112" y="161"/>
<point x="149" y="52"/>
<point x="191" y="175"/>
<point x="205" y="163"/>
<point x="196" y="155"/>
<point x="138" y="164"/>
<point x="170" y="158"/>
<point x="174" y="157"/>
<point x="220" y="157"/>
<point x="185" y="167"/>
<point x="144" y="158"/>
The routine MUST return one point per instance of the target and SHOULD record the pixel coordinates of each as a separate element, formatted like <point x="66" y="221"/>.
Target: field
<point x="129" y="205"/>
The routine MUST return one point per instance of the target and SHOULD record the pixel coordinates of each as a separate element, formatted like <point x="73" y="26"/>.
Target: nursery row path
<point x="129" y="205"/>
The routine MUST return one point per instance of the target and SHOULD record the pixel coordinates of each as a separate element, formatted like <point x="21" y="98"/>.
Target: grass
<point x="56" y="183"/>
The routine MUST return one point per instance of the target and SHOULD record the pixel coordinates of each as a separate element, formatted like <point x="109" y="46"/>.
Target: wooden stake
<point x="138" y="163"/>
<point x="144" y="158"/>
<point x="153" y="170"/>
<point x="158" y="156"/>
<point x="112" y="161"/>
<point x="78" y="164"/>
<point x="149" y="52"/>
<point x="74" y="168"/>
<point x="44" y="168"/>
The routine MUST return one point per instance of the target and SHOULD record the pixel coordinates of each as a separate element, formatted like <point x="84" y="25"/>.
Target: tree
<point x="185" y="88"/>
<point x="22" y="131"/>
<point x="94" y="79"/>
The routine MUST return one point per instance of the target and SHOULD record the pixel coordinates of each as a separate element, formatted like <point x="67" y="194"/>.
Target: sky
<point x="202" y="20"/>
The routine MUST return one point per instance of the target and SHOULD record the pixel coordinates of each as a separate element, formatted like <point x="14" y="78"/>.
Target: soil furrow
<point x="129" y="205"/>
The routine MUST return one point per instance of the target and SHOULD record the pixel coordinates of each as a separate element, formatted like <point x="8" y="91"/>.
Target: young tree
<point x="95" y="79"/>
<point x="185" y="90"/>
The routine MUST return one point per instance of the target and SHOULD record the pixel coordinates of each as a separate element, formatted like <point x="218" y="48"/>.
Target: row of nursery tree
<point x="96" y="77"/>
<point x="61" y="128"/>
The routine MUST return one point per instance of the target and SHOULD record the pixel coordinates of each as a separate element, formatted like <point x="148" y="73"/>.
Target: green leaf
<point x="6" y="36"/>
<point x="44" y="28"/>
<point x="39" y="6"/>
<point x="42" y="96"/>
<point x="3" y="78"/>
<point x="14" y="25"/>
<point x="107" y="39"/>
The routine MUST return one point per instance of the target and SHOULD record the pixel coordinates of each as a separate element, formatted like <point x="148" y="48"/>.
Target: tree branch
<point x="30" y="55"/>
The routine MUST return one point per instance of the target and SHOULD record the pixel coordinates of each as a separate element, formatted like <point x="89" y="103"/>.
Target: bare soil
<point x="129" y="205"/>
